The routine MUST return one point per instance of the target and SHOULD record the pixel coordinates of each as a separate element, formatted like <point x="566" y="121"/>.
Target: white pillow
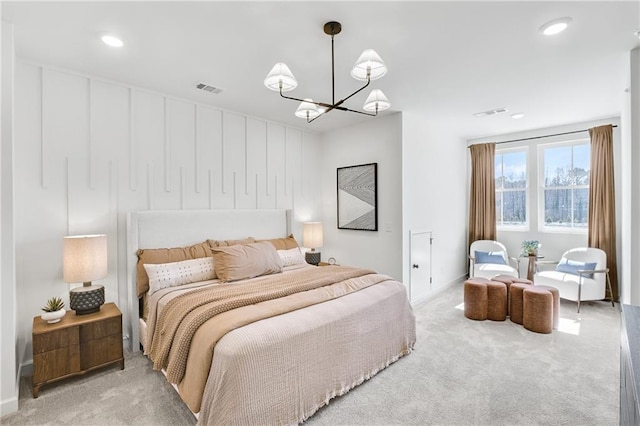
<point x="291" y="257"/>
<point x="163" y="275"/>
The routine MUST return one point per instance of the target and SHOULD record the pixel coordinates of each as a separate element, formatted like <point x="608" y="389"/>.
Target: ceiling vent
<point x="208" y="88"/>
<point x="490" y="112"/>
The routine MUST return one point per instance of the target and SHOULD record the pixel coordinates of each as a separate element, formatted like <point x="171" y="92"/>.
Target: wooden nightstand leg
<point x="122" y="364"/>
<point x="36" y="390"/>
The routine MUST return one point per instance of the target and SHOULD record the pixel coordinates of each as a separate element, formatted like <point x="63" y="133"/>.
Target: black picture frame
<point x="357" y="196"/>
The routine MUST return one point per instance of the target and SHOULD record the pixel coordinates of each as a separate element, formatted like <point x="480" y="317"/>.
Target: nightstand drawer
<point x="100" y="351"/>
<point x="56" y="363"/>
<point x="98" y="330"/>
<point x="55" y="340"/>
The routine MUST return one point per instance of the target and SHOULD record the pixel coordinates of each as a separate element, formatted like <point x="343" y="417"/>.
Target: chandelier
<point x="368" y="67"/>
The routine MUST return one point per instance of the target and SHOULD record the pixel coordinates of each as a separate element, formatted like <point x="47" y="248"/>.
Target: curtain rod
<point x="546" y="136"/>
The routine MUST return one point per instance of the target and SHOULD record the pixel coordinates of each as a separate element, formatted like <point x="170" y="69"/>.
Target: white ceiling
<point x="446" y="60"/>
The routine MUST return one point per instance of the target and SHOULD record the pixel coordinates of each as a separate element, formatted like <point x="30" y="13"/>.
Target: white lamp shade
<point x="312" y="234"/>
<point x="369" y="60"/>
<point x="280" y="73"/>
<point x="376" y="101"/>
<point x="84" y="258"/>
<point x="307" y="109"/>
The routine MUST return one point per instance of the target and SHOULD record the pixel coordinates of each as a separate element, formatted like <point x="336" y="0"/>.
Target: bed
<point x="265" y="349"/>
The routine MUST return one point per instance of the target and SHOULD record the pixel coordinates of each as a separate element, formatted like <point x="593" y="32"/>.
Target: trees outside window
<point x="511" y="188"/>
<point x="565" y="185"/>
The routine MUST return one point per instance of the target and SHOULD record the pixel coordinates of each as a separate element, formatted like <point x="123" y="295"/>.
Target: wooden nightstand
<point x="76" y="345"/>
<point x="327" y="264"/>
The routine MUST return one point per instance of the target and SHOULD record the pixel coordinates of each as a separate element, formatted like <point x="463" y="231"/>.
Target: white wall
<point x="435" y="195"/>
<point x="8" y="360"/>
<point x="554" y="243"/>
<point x="630" y="268"/>
<point x="88" y="151"/>
<point x="379" y="141"/>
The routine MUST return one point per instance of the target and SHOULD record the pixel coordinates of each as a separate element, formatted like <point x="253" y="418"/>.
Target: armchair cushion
<point x="495" y="257"/>
<point x="567" y="285"/>
<point x="496" y="264"/>
<point x="569" y="266"/>
<point x="570" y="285"/>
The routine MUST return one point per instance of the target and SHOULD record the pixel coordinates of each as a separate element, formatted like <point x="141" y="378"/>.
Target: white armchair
<point x="494" y="260"/>
<point x="581" y="274"/>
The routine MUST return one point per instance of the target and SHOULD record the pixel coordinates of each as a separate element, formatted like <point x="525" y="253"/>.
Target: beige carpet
<point x="462" y="372"/>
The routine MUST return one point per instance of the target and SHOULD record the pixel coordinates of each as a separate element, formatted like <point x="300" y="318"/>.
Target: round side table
<point x="531" y="268"/>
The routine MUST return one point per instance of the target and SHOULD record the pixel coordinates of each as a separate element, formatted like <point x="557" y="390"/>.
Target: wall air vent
<point x="208" y="88"/>
<point x="490" y="112"/>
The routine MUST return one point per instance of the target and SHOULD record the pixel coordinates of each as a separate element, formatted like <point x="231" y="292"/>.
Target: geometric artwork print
<point x="358" y="197"/>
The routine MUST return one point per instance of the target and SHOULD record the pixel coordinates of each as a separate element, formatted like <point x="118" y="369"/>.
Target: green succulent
<point x="53" y="304"/>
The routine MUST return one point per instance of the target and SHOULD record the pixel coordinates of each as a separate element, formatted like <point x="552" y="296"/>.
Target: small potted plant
<point x="53" y="310"/>
<point x="530" y="247"/>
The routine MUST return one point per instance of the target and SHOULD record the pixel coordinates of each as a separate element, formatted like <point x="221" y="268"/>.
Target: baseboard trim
<point x="8" y="406"/>
<point x="26" y="369"/>
<point x="421" y="301"/>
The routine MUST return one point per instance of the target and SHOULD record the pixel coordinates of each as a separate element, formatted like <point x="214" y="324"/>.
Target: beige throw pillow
<point x="227" y="243"/>
<point x="283" y="243"/>
<point x="243" y="261"/>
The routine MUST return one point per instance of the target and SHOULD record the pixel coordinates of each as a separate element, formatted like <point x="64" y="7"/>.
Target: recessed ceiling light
<point x="111" y="40"/>
<point x="517" y="115"/>
<point x="637" y="33"/>
<point x="556" y="26"/>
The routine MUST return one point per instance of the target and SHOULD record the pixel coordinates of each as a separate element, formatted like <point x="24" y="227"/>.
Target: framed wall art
<point x="358" y="197"/>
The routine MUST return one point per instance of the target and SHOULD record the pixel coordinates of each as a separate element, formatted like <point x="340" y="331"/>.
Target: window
<point x="565" y="186"/>
<point x="511" y="188"/>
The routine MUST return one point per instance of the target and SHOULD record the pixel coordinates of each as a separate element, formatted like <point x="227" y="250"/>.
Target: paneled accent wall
<point x="87" y="151"/>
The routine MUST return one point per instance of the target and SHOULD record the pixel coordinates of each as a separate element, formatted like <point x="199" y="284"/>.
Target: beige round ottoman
<point x="515" y="301"/>
<point x="476" y="299"/>
<point x="537" y="309"/>
<point x="556" y="304"/>
<point x="508" y="280"/>
<point x="496" y="301"/>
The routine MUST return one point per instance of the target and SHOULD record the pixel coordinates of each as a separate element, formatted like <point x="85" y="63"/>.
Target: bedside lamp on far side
<point x="312" y="238"/>
<point x="84" y="259"/>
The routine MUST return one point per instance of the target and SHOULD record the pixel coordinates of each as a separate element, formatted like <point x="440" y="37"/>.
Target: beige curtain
<point x="602" y="208"/>
<point x="482" y="199"/>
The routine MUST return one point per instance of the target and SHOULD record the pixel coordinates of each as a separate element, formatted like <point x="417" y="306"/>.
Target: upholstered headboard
<point x="178" y="228"/>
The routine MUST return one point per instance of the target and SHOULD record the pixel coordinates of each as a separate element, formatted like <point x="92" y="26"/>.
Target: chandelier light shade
<point x="280" y="78"/>
<point x="368" y="67"/>
<point x="376" y="101"/>
<point x="307" y="109"/>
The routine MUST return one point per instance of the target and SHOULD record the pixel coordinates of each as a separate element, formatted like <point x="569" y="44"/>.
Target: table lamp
<point x="84" y="259"/>
<point x="312" y="238"/>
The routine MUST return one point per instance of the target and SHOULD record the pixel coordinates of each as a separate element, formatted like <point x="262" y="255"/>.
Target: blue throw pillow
<point x="495" y="257"/>
<point x="569" y="266"/>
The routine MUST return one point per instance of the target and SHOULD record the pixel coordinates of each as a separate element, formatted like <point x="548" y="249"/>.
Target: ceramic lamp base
<point x="86" y="299"/>
<point x="312" y="257"/>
